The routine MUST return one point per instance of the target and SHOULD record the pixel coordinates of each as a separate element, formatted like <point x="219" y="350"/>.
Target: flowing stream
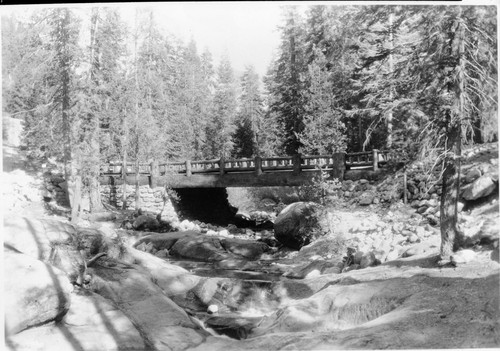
<point x="243" y="296"/>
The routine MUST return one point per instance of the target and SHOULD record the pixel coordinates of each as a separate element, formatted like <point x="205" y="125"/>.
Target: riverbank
<point x="96" y="289"/>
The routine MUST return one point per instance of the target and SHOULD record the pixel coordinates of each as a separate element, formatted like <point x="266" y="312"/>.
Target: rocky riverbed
<point x="131" y="299"/>
<point x="372" y="282"/>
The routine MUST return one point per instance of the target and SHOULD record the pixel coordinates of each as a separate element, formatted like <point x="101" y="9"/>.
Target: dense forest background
<point x="345" y="78"/>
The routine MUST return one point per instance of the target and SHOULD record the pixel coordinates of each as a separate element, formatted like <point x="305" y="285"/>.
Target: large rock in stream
<point x="481" y="187"/>
<point x="301" y="223"/>
<point x="141" y="295"/>
<point x="196" y="246"/>
<point x="164" y="241"/>
<point x="145" y="222"/>
<point x="199" y="248"/>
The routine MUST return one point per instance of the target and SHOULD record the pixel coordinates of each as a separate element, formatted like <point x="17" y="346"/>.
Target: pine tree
<point x="330" y="33"/>
<point x="250" y="115"/>
<point x="271" y="136"/>
<point x="221" y="125"/>
<point x="96" y="104"/>
<point x="26" y="94"/>
<point x="319" y="22"/>
<point x="145" y="142"/>
<point x="448" y="88"/>
<point x="287" y="104"/>
<point x="206" y="91"/>
<point x="109" y="77"/>
<point x="64" y="45"/>
<point x="323" y="128"/>
<point x="377" y="49"/>
<point x="194" y="99"/>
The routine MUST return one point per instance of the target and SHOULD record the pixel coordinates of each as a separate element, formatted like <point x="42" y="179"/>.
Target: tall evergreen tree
<point x="194" y="97"/>
<point x="287" y="86"/>
<point x="250" y="116"/>
<point x="96" y="104"/>
<point x="379" y="50"/>
<point x="271" y="136"/>
<point x="221" y="125"/>
<point x="64" y="45"/>
<point x="206" y="95"/>
<point x="330" y="38"/>
<point x="26" y="94"/>
<point x="323" y="128"/>
<point x="448" y="88"/>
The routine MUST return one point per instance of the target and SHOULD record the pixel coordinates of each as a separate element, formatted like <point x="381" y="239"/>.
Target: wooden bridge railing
<point x="296" y="163"/>
<point x="116" y="167"/>
<point x="372" y="158"/>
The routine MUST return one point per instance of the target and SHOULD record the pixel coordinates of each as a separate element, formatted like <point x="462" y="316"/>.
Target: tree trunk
<point x="71" y="169"/>
<point x="136" y="111"/>
<point x="137" y="189"/>
<point x="449" y="196"/>
<point x="94" y="191"/>
<point x="124" y="145"/>
<point x="124" y="176"/>
<point x="391" y="70"/>
<point x="360" y="135"/>
<point x="450" y="240"/>
<point x="76" y="198"/>
<point x="74" y="182"/>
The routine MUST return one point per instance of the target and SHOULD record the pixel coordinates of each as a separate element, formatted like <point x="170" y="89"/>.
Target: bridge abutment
<point x="151" y="199"/>
<point x="208" y="205"/>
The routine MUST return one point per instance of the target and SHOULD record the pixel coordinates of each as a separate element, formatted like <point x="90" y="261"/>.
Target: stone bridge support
<point x="209" y="205"/>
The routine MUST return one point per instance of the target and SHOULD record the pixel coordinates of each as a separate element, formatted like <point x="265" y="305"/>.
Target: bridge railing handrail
<point x="277" y="163"/>
<point x="372" y="158"/>
<point x="277" y="158"/>
<point x="115" y="167"/>
<point x="324" y="162"/>
<point x="238" y="165"/>
<point x="202" y="166"/>
<point x="258" y="164"/>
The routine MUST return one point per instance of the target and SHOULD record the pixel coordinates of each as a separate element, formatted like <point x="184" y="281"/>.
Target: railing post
<point x="188" y="168"/>
<point x="124" y="169"/>
<point x="124" y="184"/>
<point x="221" y="165"/>
<point x="137" y="185"/>
<point x="405" y="185"/>
<point x="258" y="165"/>
<point x="154" y="172"/>
<point x="338" y="166"/>
<point x="347" y="162"/>
<point x="375" y="159"/>
<point x="296" y="163"/>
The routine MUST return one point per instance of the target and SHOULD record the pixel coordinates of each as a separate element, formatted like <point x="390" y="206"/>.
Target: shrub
<point x="320" y="187"/>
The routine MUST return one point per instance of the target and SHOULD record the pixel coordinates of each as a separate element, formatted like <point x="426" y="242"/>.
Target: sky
<point x="247" y="32"/>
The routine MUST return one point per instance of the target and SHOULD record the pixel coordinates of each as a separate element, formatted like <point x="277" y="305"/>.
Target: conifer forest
<point x="92" y="88"/>
<point x="251" y="175"/>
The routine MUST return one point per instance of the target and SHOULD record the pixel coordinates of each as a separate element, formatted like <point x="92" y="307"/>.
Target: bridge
<point x="246" y="172"/>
